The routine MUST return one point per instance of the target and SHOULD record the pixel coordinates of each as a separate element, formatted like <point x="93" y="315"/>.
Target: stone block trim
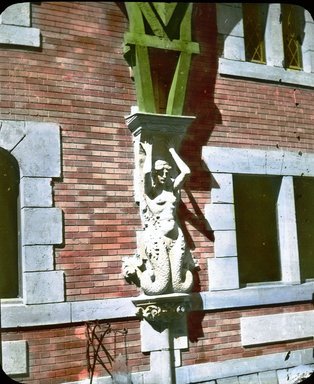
<point x="266" y="367"/>
<point x="258" y="161"/>
<point x="257" y="71"/>
<point x="37" y="149"/>
<point x="220" y="216"/>
<point x="36" y="192"/>
<point x="38" y="258"/>
<point x="223" y="162"/>
<point x="15" y="26"/>
<point x="223" y="273"/>
<point x="15" y="357"/>
<point x="287" y="234"/>
<point x="219" y="194"/>
<point x="20" y="315"/>
<point x="17" y="14"/>
<point x="39" y="155"/>
<point x="13" y="35"/>
<point x="257" y="330"/>
<point x="225" y="244"/>
<point x="44" y="287"/>
<point x="41" y="226"/>
<point x="254" y="296"/>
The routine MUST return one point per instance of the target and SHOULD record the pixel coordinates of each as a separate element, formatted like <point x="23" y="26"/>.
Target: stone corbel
<point x="165" y="308"/>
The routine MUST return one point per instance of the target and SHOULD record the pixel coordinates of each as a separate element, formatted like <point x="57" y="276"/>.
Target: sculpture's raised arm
<point x="184" y="170"/>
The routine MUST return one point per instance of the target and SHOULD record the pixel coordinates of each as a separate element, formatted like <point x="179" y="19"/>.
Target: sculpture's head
<point x="161" y="171"/>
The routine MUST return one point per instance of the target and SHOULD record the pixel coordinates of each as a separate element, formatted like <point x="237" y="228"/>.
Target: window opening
<point x="291" y="29"/>
<point x="9" y="192"/>
<point x="256" y="228"/>
<point x="304" y="204"/>
<point x="254" y="22"/>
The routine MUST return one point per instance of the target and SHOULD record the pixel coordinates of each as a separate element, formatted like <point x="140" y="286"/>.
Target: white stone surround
<point x="36" y="147"/>
<point x="15" y="26"/>
<point x="232" y="61"/>
<point x="223" y="162"/>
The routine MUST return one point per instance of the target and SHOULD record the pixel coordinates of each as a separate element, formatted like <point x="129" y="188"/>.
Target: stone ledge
<point x="253" y="296"/>
<point x="237" y="68"/>
<point x="258" y="161"/>
<point x="19" y="315"/>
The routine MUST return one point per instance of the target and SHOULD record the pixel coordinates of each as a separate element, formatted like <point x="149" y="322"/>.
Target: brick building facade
<point x="66" y="90"/>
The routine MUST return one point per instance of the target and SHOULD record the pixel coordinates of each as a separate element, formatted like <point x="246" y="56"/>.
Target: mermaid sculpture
<point x="163" y="264"/>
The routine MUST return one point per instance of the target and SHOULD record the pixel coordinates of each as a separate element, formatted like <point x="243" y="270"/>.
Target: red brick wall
<point x="58" y="354"/>
<point x="215" y="336"/>
<point x="93" y="93"/>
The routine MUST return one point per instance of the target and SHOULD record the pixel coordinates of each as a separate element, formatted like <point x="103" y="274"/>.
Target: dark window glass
<point x="304" y="204"/>
<point x="254" y="22"/>
<point x="9" y="190"/>
<point x="256" y="228"/>
<point x="292" y="35"/>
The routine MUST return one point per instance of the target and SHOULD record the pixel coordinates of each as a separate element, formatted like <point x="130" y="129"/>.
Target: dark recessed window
<point x="9" y="191"/>
<point x="304" y="204"/>
<point x="256" y="228"/>
<point x="254" y="22"/>
<point x="292" y="35"/>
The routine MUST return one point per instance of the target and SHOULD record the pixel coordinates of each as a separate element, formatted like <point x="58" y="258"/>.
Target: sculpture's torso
<point x="163" y="208"/>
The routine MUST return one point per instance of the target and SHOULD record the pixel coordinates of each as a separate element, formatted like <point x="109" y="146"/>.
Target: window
<point x="278" y="36"/>
<point x="254" y="22"/>
<point x="304" y="201"/>
<point x="255" y="216"/>
<point x="291" y="29"/>
<point x="29" y="159"/>
<point x="262" y="215"/>
<point x="254" y="25"/>
<point x="9" y="191"/>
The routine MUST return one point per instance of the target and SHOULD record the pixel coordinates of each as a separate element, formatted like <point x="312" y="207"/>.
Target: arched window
<point x="9" y="192"/>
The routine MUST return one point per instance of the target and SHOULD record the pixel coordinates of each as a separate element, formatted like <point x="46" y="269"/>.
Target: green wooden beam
<point x="171" y="28"/>
<point x="177" y="91"/>
<point x="152" y="19"/>
<point x="143" y="81"/>
<point x="157" y="42"/>
<point x="180" y="15"/>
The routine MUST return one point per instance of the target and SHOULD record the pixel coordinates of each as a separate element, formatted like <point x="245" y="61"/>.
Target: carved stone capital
<point x="163" y="308"/>
<point x="154" y="123"/>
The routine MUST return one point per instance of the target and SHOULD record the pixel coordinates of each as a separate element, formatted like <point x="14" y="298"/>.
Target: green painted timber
<point x="163" y="26"/>
<point x="156" y="42"/>
<point x="178" y="87"/>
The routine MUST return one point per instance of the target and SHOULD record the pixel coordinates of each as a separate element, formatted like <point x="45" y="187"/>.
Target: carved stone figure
<point x="164" y="263"/>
